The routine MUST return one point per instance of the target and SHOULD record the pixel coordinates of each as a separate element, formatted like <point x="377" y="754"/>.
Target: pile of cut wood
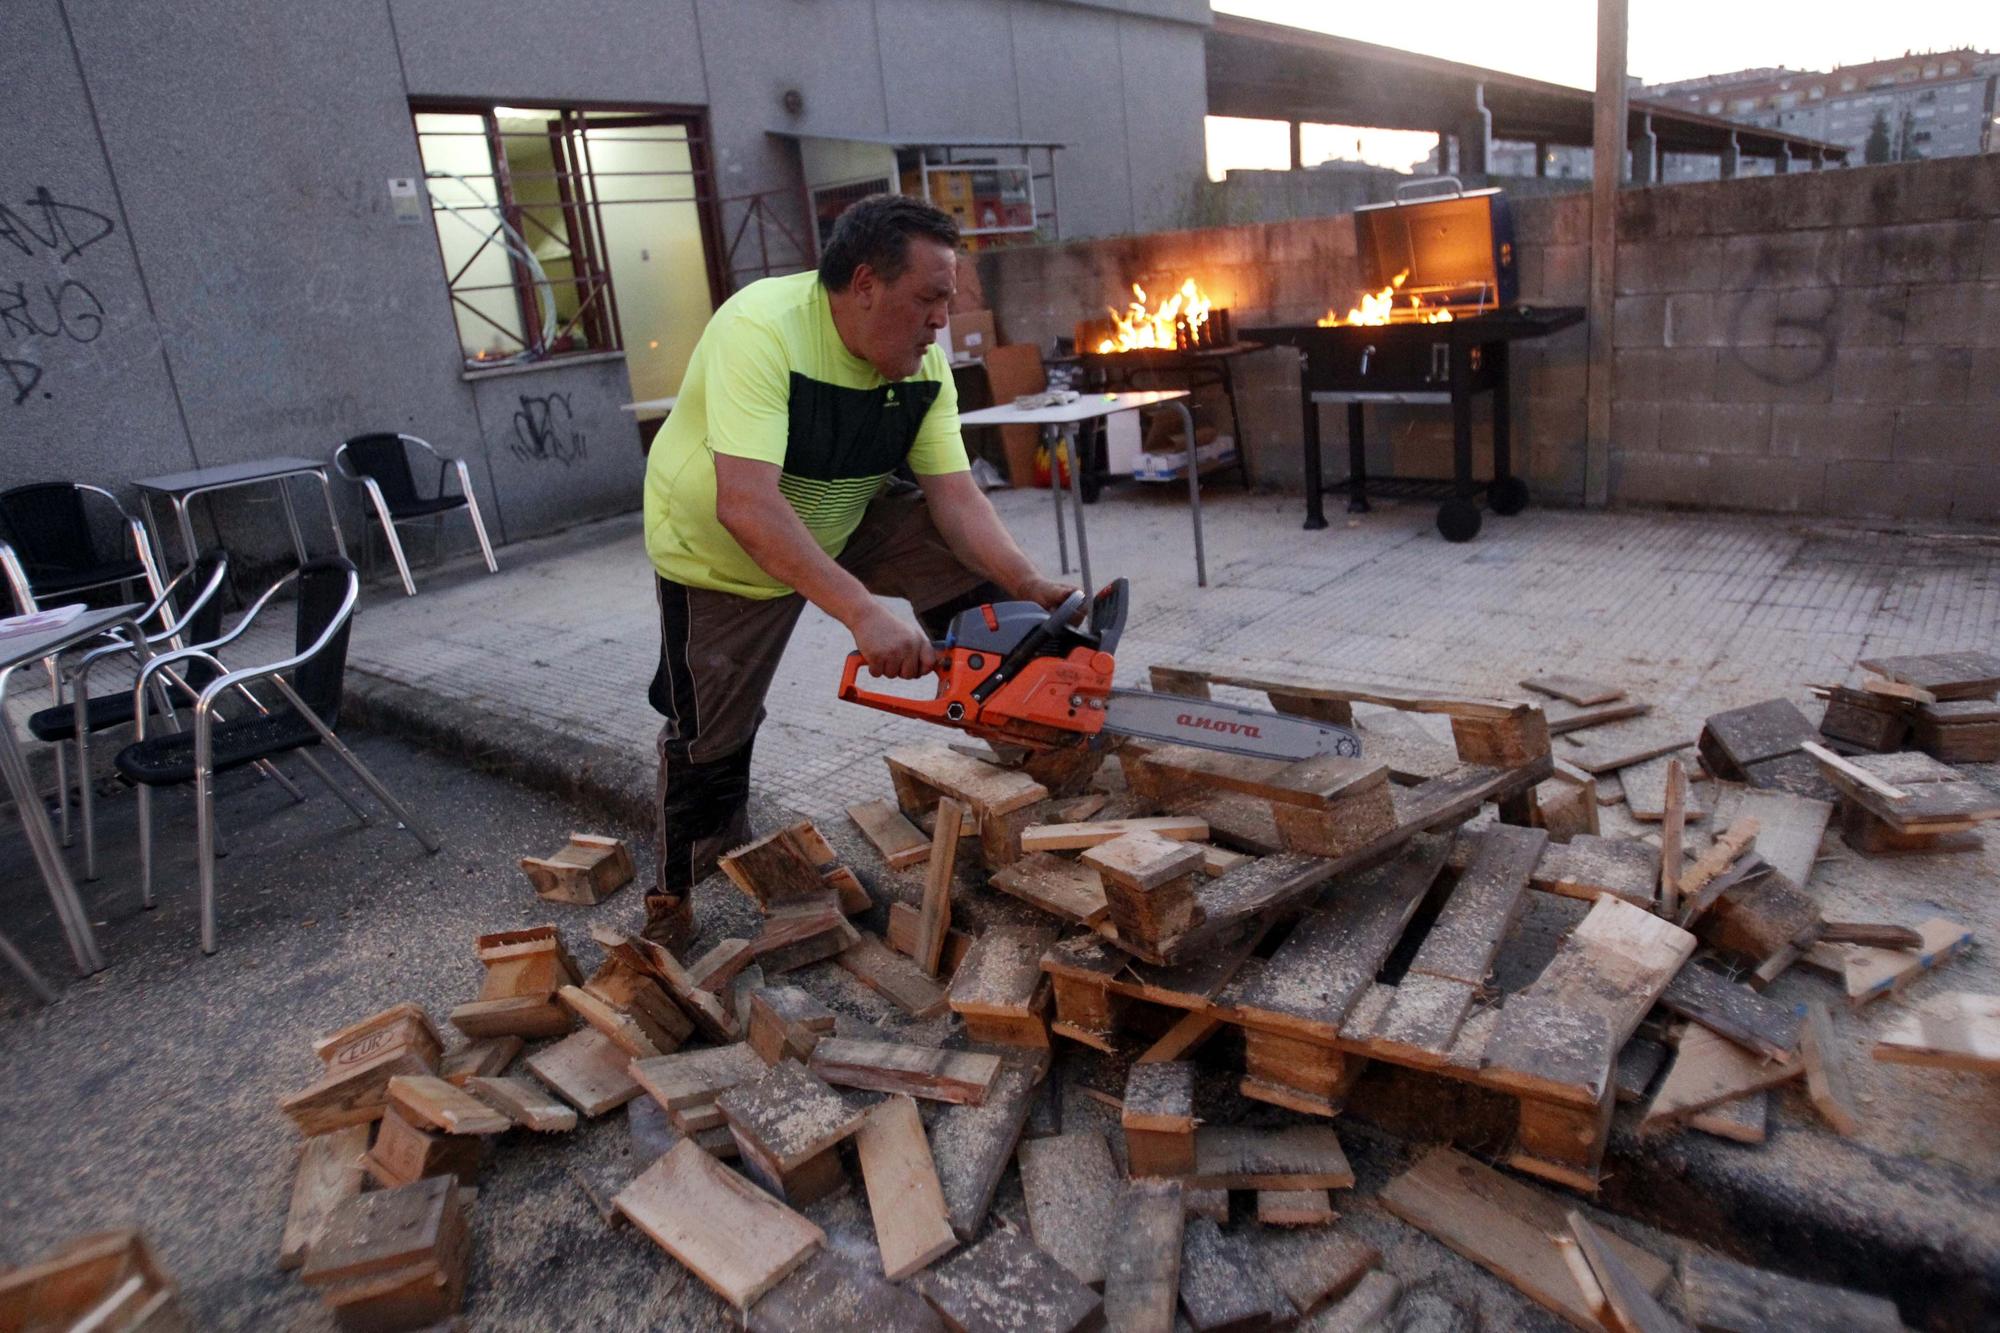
<point x="1332" y="914"/>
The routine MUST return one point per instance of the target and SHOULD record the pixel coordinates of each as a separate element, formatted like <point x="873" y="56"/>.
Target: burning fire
<point x="1140" y="327"/>
<point x="1380" y="308"/>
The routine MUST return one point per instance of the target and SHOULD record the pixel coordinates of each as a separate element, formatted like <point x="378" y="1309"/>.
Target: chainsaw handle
<point x="928" y="710"/>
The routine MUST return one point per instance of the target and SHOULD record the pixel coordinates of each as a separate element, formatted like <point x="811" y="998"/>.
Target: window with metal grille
<point x="545" y="217"/>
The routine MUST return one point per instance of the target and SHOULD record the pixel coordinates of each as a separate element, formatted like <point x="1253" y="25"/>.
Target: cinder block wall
<point x="1817" y="343"/>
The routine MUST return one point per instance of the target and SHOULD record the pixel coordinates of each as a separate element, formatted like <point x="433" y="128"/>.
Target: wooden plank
<point x="1001" y="974"/>
<point x="1646" y="788"/>
<point x="1006" y="1284"/>
<point x="972" y="1145"/>
<point x="1722" y="1294"/>
<point x="1559" y="1038"/>
<point x="1763" y="1027"/>
<point x="1366" y="1309"/>
<point x="1142" y="1261"/>
<point x="1075" y="837"/>
<point x="1315" y="1267"/>
<point x="796" y="937"/>
<point x="1827" y="1083"/>
<point x="1672" y="823"/>
<point x="1505" y="1227"/>
<point x="1402" y="743"/>
<point x="1483" y="905"/>
<point x="1057" y="885"/>
<point x="695" y="1078"/>
<point x="1189" y="1031"/>
<point x="1574" y="689"/>
<point x="935" y="920"/>
<point x="895" y="839"/>
<point x="329" y="1172"/>
<point x="1698" y="881"/>
<point x="1293" y="1157"/>
<point x="1155" y="770"/>
<point x="1620" y="747"/>
<point x="988" y="790"/>
<point x="786" y="1022"/>
<point x="383" y="1230"/>
<point x="1223" y="1284"/>
<point x="904" y="1197"/>
<point x="1838" y="767"/>
<point x="921" y="1071"/>
<point x="1955" y="1030"/>
<point x="486" y="1057"/>
<point x="1868" y="973"/>
<point x="905" y="924"/>
<point x="710" y="1015"/>
<point x="831" y="1293"/>
<point x="586" y="1070"/>
<point x="1633" y="1308"/>
<point x="1071" y="1187"/>
<point x="1879" y="934"/>
<point x="789" y="1116"/>
<point x="432" y="1103"/>
<point x="780" y="869"/>
<point x="524" y="1102"/>
<point x="1422" y="1020"/>
<point x="1736" y="738"/>
<point x="1565" y="718"/>
<point x="1709" y="1069"/>
<point x="1961" y="675"/>
<point x="622" y="1030"/>
<point x="737" y="1239"/>
<point x="1295" y="1208"/>
<point x="1743" y="1119"/>
<point x="892" y="976"/>
<point x="1590" y="867"/>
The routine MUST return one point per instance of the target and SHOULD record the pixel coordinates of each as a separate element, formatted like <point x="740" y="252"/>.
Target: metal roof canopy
<point x="917" y="140"/>
<point x="1269" y="71"/>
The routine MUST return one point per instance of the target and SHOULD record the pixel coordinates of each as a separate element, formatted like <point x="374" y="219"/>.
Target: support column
<point x="1645" y="154"/>
<point x="1730" y="158"/>
<point x="1819" y="159"/>
<point x="1297" y="154"/>
<point x="1541" y="160"/>
<point x="1607" y="163"/>
<point x="1475" y="136"/>
<point x="1782" y="163"/>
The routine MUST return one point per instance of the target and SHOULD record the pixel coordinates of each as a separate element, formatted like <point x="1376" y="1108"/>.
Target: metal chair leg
<point x="368" y="780"/>
<point x="478" y="524"/>
<point x="277" y="775"/>
<point x="86" y="802"/>
<point x="395" y="542"/>
<point x="146" y="846"/>
<point x="204" y="837"/>
<point x="62" y="764"/>
<point x="334" y="787"/>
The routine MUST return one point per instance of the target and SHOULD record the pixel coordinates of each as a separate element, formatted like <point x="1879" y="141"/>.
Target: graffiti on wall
<point x="545" y="431"/>
<point x="1788" y="336"/>
<point x="55" y="306"/>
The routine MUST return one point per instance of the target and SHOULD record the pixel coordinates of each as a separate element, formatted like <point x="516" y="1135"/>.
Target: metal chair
<point x="327" y="591"/>
<point x="380" y="464"/>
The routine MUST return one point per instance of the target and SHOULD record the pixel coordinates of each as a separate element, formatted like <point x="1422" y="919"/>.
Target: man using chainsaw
<point x="772" y="485"/>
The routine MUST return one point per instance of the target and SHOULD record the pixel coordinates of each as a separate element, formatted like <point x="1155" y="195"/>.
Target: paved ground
<point x="542" y="671"/>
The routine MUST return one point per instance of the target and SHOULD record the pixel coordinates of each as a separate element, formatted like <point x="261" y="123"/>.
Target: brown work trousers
<point x="718" y="654"/>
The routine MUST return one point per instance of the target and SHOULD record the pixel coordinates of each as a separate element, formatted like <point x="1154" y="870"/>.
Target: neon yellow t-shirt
<point x="770" y="379"/>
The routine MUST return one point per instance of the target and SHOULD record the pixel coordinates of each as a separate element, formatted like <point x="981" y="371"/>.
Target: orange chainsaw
<point x="1014" y="674"/>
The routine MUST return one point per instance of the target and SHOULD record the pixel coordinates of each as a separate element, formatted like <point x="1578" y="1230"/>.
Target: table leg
<point x="1235" y="424"/>
<point x="180" y="503"/>
<point x="153" y="534"/>
<point x="1076" y="486"/>
<point x="42" y="839"/>
<point x="1315" y="486"/>
<point x="1357" y="459"/>
<point x="333" y="518"/>
<point x="1461" y="421"/>
<point x="17" y="961"/>
<point x="1050" y="439"/>
<point x="1194" y="494"/>
<point x="1503" y="438"/>
<point x="292" y="518"/>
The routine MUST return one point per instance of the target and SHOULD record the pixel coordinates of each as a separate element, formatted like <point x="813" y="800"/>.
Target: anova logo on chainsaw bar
<point x="1215" y="724"/>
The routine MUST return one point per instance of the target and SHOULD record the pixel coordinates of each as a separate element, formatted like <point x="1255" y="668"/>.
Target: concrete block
<point x="1989" y="250"/>
<point x="1552" y="220"/>
<point x="1775" y="374"/>
<point x="1871" y="316"/>
<point x="1807" y="317"/>
<point x="1914" y="252"/>
<point x="1919" y="490"/>
<point x="1893" y="376"/>
<point x="1720" y="319"/>
<point x="1975" y="495"/>
<point x="1641" y="321"/>
<point x="1770" y="485"/>
<point x="1781" y="259"/>
<point x="1959" y="434"/>
<point x="1635" y="427"/>
<point x="1982" y="383"/>
<point x="1677" y="265"/>
<point x="1959" y="314"/>
<point x="1663" y="374"/>
<point x="1566" y="377"/>
<point x="1715" y="428"/>
<point x="1832" y="430"/>
<point x="1310" y="240"/>
<point x="1565" y="276"/>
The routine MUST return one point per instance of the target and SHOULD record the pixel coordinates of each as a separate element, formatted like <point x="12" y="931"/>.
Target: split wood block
<point x="1955" y="1030"/>
<point x="1880" y="934"/>
<point x="524" y="970"/>
<point x="972" y="1145"/>
<point x="1315" y="1267"/>
<point x="1638" y="1063"/>
<point x="1367" y="1308"/>
<point x="1744" y="1119"/>
<point x="1565" y="717"/>
<point x="587" y="1070"/>
<point x="1300" y="1157"/>
<point x="997" y="797"/>
<point x="357" y="1063"/>
<point x="781" y="869"/>
<point x="1212" y="1204"/>
<point x="1728" y="1008"/>
<point x="1142" y="1259"/>
<point x="1672" y="824"/>
<point x="1337" y="711"/>
<point x="1189" y="1031"/>
<point x="625" y="1031"/>
<point x="1733" y="740"/>
<point x="1865" y="719"/>
<point x="487" y="1057"/>
<point x="1871" y="835"/>
<point x="1707" y="879"/>
<point x="788" y="1126"/>
<point x="1301" y="1074"/>
<point x="895" y="839"/>
<point x="1589" y="867"/>
<point x="711" y="1017"/>
<point x="934" y="918"/>
<point x="831" y="1293"/>
<point x="405" y="1152"/>
<point x="714" y="970"/>
<point x="586" y="872"/>
<point x="968" y="823"/>
<point x="1295" y="1208"/>
<point x="906" y="923"/>
<point x="1929" y="796"/>
<point x="696" y="1120"/>
<point x="524" y="1102"/>
<point x="1945" y="676"/>
<point x="330" y="1171"/>
<point x="1149" y="886"/>
<point x="1964" y="731"/>
<point x="892" y="976"/>
<point x="1559" y="1038"/>
<point x="1519" y="738"/>
<point x="912" y="1227"/>
<point x="1708" y="1070"/>
<point x="1158" y="1119"/>
<point x="1071" y="1187"/>
<point x="1506" y="1227"/>
<point x="1079" y="808"/>
<point x="635" y="993"/>
<point x="1355" y="821"/>
<point x="786" y="1022"/>
<point x="1059" y="886"/>
<point x="1574" y="689"/>
<point x="1565" y="804"/>
<point x="431" y="1103"/>
<point x="1224" y="1286"/>
<point x="1240" y="822"/>
<point x="395" y="1258"/>
<point x="1894" y="691"/>
<point x="1759" y="918"/>
<point x="737" y="1239"/>
<point x="1608" y="750"/>
<point x="1562" y="1142"/>
<point x="1162" y="772"/>
<point x="1065" y="770"/>
<point x="690" y="1081"/>
<point x="1720" y="1293"/>
<point x="796" y="937"/>
<point x="1005" y="1284"/>
<point x="897" y="1067"/>
<point x="109" y="1280"/>
<point x="1085" y="1010"/>
<point x="1630" y="1307"/>
<point x="999" y="990"/>
<point x="1078" y="837"/>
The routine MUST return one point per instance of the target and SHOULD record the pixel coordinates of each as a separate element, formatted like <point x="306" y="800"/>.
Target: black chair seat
<point x="160" y="761"/>
<point x="99" y="712"/>
<point x="418" y="508"/>
<point x="50" y="582"/>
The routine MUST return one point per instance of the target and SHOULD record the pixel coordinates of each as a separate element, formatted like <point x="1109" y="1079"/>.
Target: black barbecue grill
<point x="1453" y="253"/>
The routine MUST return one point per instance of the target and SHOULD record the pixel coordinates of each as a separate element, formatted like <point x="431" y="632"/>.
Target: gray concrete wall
<point x="227" y="279"/>
<point x="1824" y="343"/>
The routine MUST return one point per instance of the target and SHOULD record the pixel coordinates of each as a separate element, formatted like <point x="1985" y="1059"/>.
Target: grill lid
<point x="1457" y="247"/>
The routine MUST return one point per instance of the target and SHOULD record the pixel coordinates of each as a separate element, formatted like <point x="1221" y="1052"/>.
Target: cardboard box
<point x="967" y="335"/>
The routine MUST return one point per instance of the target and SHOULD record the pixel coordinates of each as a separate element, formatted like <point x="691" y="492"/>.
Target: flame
<point x="1380" y="308"/>
<point x="1140" y="327"/>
